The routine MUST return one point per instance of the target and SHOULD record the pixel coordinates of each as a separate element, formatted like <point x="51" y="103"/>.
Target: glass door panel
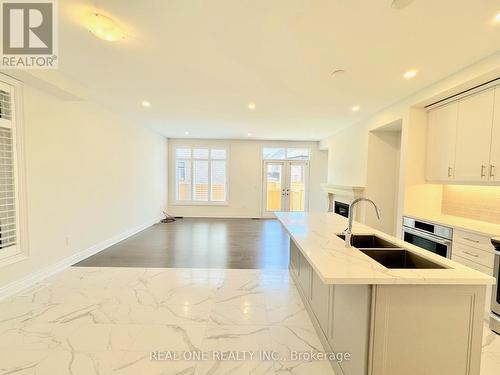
<point x="285" y="185"/>
<point x="273" y="183"/>
<point x="297" y="190"/>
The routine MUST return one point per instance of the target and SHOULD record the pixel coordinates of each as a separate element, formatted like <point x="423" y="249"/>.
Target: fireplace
<point x="340" y="197"/>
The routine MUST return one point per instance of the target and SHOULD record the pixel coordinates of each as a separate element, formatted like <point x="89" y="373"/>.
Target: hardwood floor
<point x="201" y="243"/>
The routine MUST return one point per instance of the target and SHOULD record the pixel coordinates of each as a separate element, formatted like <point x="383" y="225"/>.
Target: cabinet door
<point x="350" y="325"/>
<point x="495" y="141"/>
<point x="304" y="275"/>
<point x="441" y="137"/>
<point x="475" y="119"/>
<point x="294" y="258"/>
<point x="320" y="301"/>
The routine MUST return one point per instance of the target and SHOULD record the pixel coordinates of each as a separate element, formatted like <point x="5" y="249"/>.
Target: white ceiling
<point x="201" y="62"/>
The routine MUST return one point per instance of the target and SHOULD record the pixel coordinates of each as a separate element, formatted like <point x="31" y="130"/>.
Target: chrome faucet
<point x="348" y="231"/>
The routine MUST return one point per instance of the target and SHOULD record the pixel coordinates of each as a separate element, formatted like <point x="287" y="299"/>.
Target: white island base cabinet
<point x="394" y="329"/>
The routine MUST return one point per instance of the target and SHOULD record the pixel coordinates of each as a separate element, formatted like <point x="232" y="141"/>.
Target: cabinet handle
<point x="471" y="254"/>
<point x="483" y="170"/>
<point x="492" y="170"/>
<point x="450" y="169"/>
<point x="470" y="240"/>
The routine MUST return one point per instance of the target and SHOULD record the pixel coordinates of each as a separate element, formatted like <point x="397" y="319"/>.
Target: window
<point x="9" y="202"/>
<point x="282" y="153"/>
<point x="201" y="175"/>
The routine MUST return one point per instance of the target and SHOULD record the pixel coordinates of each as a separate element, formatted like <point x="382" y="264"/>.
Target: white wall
<point x="245" y="178"/>
<point x="383" y="178"/>
<point x="91" y="176"/>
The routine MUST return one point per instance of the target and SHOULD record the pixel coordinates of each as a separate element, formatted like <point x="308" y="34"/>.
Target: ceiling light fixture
<point x="337" y="72"/>
<point x="400" y="4"/>
<point x="497" y="18"/>
<point x="249" y="134"/>
<point x="104" y="27"/>
<point x="186" y="133"/>
<point x="251" y="106"/>
<point x="146" y="104"/>
<point x="410" y="74"/>
<point x="356" y="108"/>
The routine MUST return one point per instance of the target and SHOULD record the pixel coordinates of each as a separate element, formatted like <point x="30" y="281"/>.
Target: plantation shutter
<point x="8" y="217"/>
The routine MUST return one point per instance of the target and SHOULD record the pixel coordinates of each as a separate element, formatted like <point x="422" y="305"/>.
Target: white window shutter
<point x="8" y="214"/>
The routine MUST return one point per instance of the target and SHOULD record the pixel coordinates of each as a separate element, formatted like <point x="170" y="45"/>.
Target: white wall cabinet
<point x="463" y="143"/>
<point x="441" y="141"/>
<point x="495" y="141"/>
<point x="475" y="119"/>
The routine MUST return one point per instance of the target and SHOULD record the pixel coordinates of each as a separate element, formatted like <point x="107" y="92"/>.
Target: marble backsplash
<point x="472" y="202"/>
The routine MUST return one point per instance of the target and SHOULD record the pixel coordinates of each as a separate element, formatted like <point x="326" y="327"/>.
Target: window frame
<point x="286" y="148"/>
<point x="209" y="202"/>
<point x="20" y="251"/>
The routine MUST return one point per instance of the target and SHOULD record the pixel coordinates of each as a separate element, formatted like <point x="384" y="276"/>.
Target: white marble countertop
<point x="469" y="225"/>
<point x="315" y="234"/>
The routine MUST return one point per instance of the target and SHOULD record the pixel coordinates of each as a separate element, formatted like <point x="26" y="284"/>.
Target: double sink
<point x="388" y="254"/>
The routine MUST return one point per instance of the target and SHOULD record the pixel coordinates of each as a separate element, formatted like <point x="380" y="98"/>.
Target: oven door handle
<point x="497" y="253"/>
<point x="427" y="237"/>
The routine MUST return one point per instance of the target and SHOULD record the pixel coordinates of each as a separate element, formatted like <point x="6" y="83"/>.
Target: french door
<point x="285" y="186"/>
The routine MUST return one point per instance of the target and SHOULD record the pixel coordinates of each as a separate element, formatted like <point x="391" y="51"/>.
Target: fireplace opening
<point x="341" y="208"/>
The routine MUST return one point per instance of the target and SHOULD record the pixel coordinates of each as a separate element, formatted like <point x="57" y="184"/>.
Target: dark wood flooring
<point x="201" y="243"/>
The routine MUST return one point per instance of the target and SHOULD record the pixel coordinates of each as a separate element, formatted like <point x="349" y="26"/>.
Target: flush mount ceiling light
<point x="186" y="133"/>
<point x="104" y="27"/>
<point x="249" y="134"/>
<point x="251" y="106"/>
<point x="355" y="108"/>
<point x="497" y="18"/>
<point x="410" y="74"/>
<point x="146" y="104"/>
<point x="338" y="72"/>
<point x="400" y="4"/>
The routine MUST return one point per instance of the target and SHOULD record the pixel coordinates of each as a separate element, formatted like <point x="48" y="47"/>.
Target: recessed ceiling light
<point x="497" y="18"/>
<point x="104" y="27"/>
<point x="410" y="74"/>
<point x="251" y="106"/>
<point x="146" y="104"/>
<point x="356" y="108"/>
<point x="249" y="134"/>
<point x="186" y="133"/>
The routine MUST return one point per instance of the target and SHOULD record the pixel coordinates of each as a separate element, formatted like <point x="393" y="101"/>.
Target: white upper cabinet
<point x="475" y="119"/>
<point x="441" y="138"/>
<point x="463" y="140"/>
<point x="494" y="171"/>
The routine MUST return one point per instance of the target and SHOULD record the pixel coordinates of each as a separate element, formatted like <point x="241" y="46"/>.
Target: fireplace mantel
<point x="342" y="193"/>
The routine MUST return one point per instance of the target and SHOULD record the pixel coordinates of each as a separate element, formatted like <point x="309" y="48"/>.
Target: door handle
<point x="471" y="240"/>
<point x="450" y="169"/>
<point x="483" y="170"/>
<point x="492" y="170"/>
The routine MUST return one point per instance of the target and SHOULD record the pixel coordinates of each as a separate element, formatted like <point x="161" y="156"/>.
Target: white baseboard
<point x="28" y="281"/>
<point x="221" y="217"/>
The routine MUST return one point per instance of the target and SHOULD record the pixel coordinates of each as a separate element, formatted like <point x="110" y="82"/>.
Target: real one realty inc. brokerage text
<point x="247" y="355"/>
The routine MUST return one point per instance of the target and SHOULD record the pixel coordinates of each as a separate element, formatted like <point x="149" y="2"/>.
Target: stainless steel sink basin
<point x="369" y="241"/>
<point x="400" y="258"/>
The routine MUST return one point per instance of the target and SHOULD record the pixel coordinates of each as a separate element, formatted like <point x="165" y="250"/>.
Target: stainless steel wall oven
<point x="429" y="236"/>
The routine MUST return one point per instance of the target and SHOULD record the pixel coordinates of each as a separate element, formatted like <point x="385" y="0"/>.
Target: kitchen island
<point x="425" y="318"/>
